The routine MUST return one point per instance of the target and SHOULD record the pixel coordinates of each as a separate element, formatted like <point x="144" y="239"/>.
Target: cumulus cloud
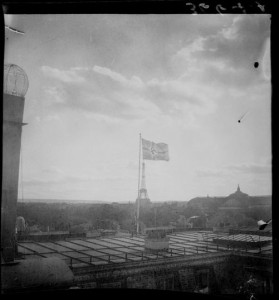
<point x="240" y="43"/>
<point x="226" y="57"/>
<point x="231" y="32"/>
<point x="55" y="94"/>
<point x="133" y="82"/>
<point x="68" y="76"/>
<point x="190" y="53"/>
<point x="205" y="66"/>
<point x="109" y="93"/>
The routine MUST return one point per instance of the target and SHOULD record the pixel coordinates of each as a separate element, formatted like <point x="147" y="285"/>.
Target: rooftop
<point x="84" y="252"/>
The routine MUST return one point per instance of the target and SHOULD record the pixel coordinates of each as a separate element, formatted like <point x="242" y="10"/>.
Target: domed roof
<point x="15" y="80"/>
<point x="238" y="194"/>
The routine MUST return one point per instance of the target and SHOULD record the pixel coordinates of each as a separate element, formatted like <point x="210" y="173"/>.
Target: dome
<point x="15" y="80"/>
<point x="238" y="194"/>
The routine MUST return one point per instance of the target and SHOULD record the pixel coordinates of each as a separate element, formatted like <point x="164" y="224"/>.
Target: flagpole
<point x="138" y="204"/>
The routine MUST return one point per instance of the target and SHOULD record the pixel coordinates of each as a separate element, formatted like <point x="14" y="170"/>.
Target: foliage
<point x="63" y="216"/>
<point x="230" y="218"/>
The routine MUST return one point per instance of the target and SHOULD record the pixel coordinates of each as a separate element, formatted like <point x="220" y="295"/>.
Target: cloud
<point x="250" y="168"/>
<point x="69" y="76"/>
<point x="179" y="98"/>
<point x="55" y="94"/>
<point x="108" y="93"/>
<point x="240" y="43"/>
<point x="133" y="82"/>
<point x="236" y="169"/>
<point x="232" y="31"/>
<point x="205" y="66"/>
<point x="189" y="54"/>
<point x="226" y="57"/>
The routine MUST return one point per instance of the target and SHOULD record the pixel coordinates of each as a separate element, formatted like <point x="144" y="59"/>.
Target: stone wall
<point x="209" y="273"/>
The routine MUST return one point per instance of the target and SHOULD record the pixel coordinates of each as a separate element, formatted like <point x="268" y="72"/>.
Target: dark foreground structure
<point x="20" y="274"/>
<point x="194" y="262"/>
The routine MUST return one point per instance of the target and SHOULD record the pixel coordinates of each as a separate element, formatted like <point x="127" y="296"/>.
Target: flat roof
<point x="159" y="228"/>
<point x="82" y="252"/>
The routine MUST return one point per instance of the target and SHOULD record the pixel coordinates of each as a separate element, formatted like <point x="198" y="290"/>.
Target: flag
<point x="154" y="151"/>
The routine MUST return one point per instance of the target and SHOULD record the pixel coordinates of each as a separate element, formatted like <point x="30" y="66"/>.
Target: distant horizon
<point x="45" y="200"/>
<point x="89" y="201"/>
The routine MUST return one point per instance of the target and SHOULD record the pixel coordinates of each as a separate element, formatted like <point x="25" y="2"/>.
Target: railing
<point x="106" y="258"/>
<point x="182" y="229"/>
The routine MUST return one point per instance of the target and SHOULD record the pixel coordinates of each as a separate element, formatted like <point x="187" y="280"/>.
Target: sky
<point x="97" y="81"/>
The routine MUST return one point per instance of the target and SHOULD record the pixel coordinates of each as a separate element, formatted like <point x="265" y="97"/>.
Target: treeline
<point x="87" y="217"/>
<point x="65" y="216"/>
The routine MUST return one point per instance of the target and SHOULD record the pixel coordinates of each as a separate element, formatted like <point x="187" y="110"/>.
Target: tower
<point x="143" y="198"/>
<point x="238" y="188"/>
<point x="15" y="88"/>
<point x="239" y="193"/>
<point x="45" y="272"/>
